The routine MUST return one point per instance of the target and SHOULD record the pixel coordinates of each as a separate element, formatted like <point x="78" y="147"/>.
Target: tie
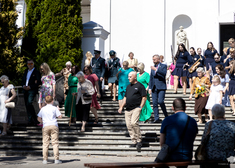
<point x="155" y="65"/>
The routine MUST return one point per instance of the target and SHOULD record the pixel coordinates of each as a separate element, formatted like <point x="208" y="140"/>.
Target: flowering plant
<point x="200" y="90"/>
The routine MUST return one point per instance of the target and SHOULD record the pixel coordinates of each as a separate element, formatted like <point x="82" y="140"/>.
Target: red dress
<point x="93" y="78"/>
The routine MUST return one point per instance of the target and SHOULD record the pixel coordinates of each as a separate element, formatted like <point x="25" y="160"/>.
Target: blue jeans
<point x="158" y="97"/>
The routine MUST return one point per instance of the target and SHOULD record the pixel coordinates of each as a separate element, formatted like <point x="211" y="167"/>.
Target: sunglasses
<point x="85" y="69"/>
<point x="29" y="63"/>
<point x="216" y="58"/>
<point x="2" y="82"/>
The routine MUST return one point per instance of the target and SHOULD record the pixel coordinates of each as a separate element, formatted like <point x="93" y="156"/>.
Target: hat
<point x="112" y="52"/>
<point x="97" y="52"/>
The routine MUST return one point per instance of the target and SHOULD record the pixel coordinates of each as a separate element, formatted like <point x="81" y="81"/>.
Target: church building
<point x="148" y="27"/>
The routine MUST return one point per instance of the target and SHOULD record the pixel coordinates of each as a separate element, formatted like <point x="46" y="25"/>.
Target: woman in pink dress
<point x="172" y="67"/>
<point x="94" y="80"/>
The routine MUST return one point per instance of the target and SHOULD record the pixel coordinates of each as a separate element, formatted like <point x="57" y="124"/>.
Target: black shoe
<point x="132" y="145"/>
<point x="157" y="121"/>
<point x="138" y="146"/>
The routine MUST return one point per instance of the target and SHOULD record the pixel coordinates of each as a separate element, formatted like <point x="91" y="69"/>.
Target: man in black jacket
<point x="30" y="82"/>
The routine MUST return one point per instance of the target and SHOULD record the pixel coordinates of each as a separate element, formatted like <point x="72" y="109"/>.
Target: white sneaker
<point x="44" y="162"/>
<point x="58" y="161"/>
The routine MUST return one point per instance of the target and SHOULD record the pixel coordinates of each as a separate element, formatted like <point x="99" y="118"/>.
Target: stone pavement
<point x="68" y="161"/>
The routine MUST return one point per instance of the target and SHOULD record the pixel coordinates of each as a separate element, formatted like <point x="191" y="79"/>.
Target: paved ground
<point x="68" y="161"/>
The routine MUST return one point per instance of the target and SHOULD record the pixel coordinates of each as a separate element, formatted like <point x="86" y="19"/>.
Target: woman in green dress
<point x="72" y="82"/>
<point x="143" y="77"/>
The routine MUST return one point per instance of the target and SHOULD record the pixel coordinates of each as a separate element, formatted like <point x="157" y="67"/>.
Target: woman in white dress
<point x="88" y="58"/>
<point x="7" y="94"/>
<point x="216" y="94"/>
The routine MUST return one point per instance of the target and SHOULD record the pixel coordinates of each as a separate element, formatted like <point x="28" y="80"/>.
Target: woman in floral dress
<point x="201" y="85"/>
<point x="48" y="84"/>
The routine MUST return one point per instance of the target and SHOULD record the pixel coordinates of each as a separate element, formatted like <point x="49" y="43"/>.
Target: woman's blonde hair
<point x="125" y="62"/>
<point x="232" y="70"/>
<point x="216" y="78"/>
<point x="231" y="40"/>
<point x="141" y="66"/>
<point x="88" y="54"/>
<point x="46" y="68"/>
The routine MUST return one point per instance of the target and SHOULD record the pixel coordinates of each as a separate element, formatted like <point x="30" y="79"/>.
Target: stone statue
<point x="182" y="37"/>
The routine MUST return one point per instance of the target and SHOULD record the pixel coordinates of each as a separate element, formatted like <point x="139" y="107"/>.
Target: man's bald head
<point x="132" y="76"/>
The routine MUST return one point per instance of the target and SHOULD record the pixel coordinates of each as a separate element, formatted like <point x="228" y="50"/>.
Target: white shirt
<point x="28" y="76"/>
<point x="48" y="114"/>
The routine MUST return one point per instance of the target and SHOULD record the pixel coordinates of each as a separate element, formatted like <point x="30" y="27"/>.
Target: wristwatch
<point x="140" y="107"/>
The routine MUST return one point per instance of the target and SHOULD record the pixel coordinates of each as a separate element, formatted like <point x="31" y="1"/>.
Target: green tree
<point x="53" y="32"/>
<point x="11" y="62"/>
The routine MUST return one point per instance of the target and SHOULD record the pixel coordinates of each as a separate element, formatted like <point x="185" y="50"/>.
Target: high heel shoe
<point x="96" y="120"/>
<point x="175" y="92"/>
<point x="82" y="129"/>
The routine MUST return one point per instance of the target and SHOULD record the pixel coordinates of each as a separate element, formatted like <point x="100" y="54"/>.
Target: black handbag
<point x="87" y="96"/>
<point x="200" y="153"/>
<point x="165" y="151"/>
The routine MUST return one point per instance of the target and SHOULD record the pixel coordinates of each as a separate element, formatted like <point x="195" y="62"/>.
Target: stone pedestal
<point x="94" y="37"/>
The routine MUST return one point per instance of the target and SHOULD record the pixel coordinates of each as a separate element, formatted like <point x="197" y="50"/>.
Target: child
<point x="216" y="94"/>
<point x="48" y="115"/>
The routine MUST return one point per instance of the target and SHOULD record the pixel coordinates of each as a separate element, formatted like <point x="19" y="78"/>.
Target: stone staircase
<point x="109" y="137"/>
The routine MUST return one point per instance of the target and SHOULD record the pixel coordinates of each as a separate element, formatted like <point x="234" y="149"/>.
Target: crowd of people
<point x="210" y="77"/>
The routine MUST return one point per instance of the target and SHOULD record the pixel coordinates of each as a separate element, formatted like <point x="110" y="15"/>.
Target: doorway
<point x="226" y="32"/>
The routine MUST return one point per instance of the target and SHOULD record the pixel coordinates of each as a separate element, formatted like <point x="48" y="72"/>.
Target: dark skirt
<point x="193" y="74"/>
<point x="231" y="87"/>
<point x="179" y="71"/>
<point x="200" y="104"/>
<point x="208" y="62"/>
<point x="82" y="111"/>
<point x="112" y="79"/>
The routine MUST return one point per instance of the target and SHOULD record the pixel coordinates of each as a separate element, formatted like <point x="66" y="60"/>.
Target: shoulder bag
<point x="200" y="153"/>
<point x="165" y="151"/>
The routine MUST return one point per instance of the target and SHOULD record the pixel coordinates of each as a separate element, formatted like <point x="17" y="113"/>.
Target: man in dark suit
<point x="30" y="82"/>
<point x="98" y="68"/>
<point x="157" y="86"/>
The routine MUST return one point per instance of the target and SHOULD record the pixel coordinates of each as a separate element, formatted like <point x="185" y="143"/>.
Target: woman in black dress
<point x="182" y="58"/>
<point x="113" y="67"/>
<point x="209" y="55"/>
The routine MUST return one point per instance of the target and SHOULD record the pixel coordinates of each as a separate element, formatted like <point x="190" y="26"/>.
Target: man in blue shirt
<point x="172" y="128"/>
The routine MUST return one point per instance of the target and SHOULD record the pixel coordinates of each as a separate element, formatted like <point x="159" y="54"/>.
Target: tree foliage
<point x="53" y="32"/>
<point x="11" y="62"/>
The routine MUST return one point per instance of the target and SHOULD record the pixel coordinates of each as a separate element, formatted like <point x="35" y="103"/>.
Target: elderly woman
<point x="201" y="85"/>
<point x="123" y="81"/>
<point x="70" y="102"/>
<point x="143" y="77"/>
<point x="220" y="145"/>
<point x="133" y="62"/>
<point x="7" y="94"/>
<point x="65" y="72"/>
<point x="113" y="67"/>
<point x="85" y="90"/>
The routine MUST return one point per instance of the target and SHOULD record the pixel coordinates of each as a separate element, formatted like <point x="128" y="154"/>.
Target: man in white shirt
<point x="48" y="115"/>
<point x="30" y="82"/>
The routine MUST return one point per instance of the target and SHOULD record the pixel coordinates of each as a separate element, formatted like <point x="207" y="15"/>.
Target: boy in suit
<point x="157" y="86"/>
<point x="30" y="82"/>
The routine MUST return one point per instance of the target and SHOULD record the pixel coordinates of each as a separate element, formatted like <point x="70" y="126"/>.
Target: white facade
<point x="148" y="27"/>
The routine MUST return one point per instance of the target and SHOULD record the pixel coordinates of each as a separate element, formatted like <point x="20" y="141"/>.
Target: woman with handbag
<point x="85" y="90"/>
<point x="221" y="137"/>
<point x="87" y="70"/>
<point x="7" y="94"/>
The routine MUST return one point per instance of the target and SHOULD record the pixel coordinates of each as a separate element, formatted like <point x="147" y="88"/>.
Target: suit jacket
<point x="34" y="80"/>
<point x="98" y="66"/>
<point x="158" y="79"/>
